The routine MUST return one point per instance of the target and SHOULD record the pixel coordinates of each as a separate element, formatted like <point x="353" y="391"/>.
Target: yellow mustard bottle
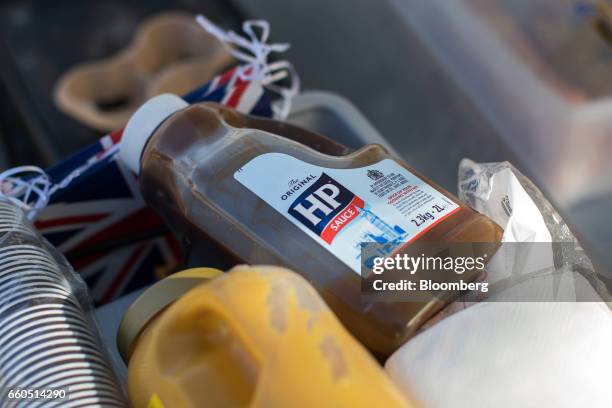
<point x="154" y="300"/>
<point x="254" y="337"/>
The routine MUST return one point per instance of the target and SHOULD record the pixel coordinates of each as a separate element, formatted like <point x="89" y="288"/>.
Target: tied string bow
<point x="31" y="188"/>
<point x="254" y="52"/>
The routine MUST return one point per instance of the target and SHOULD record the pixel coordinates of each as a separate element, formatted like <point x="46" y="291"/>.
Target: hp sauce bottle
<point x="272" y="193"/>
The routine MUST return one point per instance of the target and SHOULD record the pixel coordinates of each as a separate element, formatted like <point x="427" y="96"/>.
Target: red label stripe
<point x="344" y="218"/>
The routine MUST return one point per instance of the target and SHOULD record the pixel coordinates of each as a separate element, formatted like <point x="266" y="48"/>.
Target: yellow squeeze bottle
<point x="254" y="337"/>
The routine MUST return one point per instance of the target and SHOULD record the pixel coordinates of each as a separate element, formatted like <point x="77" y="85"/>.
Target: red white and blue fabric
<point x="102" y="224"/>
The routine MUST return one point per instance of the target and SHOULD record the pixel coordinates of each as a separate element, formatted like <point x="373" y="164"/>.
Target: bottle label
<point x="341" y="208"/>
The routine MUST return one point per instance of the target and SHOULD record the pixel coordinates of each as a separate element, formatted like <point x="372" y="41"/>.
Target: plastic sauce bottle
<point x="152" y="301"/>
<point x="254" y="337"/>
<point x="271" y="193"/>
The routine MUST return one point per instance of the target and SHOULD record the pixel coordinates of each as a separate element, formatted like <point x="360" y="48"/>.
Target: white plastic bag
<point x="509" y="354"/>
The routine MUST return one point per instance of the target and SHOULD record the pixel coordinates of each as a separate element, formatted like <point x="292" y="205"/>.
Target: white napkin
<point x="511" y="355"/>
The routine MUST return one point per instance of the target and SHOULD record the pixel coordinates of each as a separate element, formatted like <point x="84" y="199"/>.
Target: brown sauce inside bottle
<point x="187" y="174"/>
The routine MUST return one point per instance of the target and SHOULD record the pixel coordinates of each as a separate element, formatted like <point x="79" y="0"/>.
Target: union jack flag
<point x="101" y="222"/>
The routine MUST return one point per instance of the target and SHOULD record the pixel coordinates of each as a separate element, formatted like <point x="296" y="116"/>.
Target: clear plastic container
<point x="540" y="72"/>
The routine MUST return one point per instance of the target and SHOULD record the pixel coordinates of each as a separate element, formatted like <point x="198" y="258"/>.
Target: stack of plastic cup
<point x="50" y="349"/>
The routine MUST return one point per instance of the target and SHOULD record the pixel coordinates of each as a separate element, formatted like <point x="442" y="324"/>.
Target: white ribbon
<point x="30" y="187"/>
<point x="254" y="51"/>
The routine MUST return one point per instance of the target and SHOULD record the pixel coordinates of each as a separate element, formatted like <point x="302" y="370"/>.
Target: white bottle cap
<point x="143" y="123"/>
